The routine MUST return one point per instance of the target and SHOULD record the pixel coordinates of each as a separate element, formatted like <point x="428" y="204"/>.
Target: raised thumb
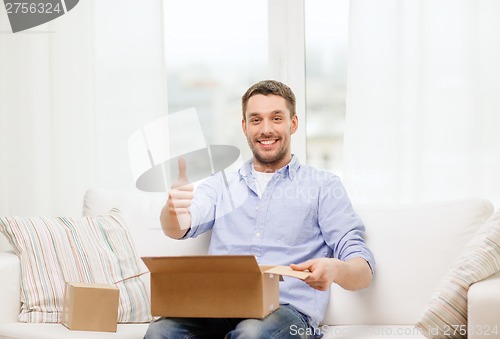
<point x="182" y="175"/>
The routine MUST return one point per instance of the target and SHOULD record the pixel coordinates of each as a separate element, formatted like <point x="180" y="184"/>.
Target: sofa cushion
<point x="9" y="287"/>
<point x="53" y="251"/>
<point x="447" y="309"/>
<point x="414" y="245"/>
<point x="5" y="246"/>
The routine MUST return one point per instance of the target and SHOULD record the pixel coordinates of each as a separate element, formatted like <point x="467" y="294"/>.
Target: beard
<point x="269" y="158"/>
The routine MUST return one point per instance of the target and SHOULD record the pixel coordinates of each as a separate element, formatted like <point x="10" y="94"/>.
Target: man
<point x="292" y="215"/>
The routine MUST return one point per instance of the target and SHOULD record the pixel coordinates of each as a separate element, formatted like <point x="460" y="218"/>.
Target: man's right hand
<point x="175" y="217"/>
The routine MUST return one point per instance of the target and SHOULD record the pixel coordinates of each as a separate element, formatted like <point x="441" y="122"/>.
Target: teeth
<point x="267" y="142"/>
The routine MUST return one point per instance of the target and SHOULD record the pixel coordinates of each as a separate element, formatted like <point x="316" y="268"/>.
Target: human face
<point x="268" y="128"/>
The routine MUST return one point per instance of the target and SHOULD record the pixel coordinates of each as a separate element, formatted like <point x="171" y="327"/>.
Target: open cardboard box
<point x="232" y="286"/>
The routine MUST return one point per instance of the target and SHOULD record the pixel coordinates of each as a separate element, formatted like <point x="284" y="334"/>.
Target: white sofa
<point x="414" y="246"/>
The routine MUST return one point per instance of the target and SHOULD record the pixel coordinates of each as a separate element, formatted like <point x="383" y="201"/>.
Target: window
<point x="212" y="59"/>
<point x="326" y="71"/>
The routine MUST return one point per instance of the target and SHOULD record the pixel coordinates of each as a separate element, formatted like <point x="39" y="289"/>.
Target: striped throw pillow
<point x="53" y="251"/>
<point x="446" y="311"/>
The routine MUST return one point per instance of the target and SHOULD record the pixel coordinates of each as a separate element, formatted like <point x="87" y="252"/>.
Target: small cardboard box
<point x="90" y="307"/>
<point x="214" y="286"/>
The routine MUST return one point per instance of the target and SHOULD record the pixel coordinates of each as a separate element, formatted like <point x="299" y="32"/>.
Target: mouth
<point x="267" y="142"/>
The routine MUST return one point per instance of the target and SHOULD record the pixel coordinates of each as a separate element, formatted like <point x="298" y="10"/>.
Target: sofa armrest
<point x="9" y="287"/>
<point x="483" y="302"/>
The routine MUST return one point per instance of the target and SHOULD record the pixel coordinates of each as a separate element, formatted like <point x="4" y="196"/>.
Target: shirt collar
<point x="289" y="170"/>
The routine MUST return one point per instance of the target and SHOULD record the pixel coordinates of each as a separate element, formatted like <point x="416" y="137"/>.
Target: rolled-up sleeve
<point x="343" y="230"/>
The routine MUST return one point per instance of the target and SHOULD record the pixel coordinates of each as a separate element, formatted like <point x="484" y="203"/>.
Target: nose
<point x="267" y="127"/>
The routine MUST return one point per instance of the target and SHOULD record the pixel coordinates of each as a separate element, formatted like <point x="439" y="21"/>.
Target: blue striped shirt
<point x="303" y="213"/>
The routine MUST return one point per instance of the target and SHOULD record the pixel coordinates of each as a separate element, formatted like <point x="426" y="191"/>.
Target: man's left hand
<point x="352" y="274"/>
<point x="323" y="272"/>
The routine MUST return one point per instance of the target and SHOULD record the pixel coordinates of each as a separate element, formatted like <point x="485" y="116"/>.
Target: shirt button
<point x="257" y="234"/>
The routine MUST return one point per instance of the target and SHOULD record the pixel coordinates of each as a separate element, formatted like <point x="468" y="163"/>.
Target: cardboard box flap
<point x="287" y="271"/>
<point x="204" y="263"/>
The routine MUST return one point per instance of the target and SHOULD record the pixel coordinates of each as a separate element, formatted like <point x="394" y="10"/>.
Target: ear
<point x="244" y="126"/>
<point x="294" y="124"/>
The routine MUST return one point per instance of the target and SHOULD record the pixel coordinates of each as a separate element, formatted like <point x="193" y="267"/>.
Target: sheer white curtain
<point x="423" y="100"/>
<point x="71" y="93"/>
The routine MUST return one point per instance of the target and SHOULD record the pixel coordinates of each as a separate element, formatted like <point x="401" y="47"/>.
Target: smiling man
<point x="268" y="123"/>
<point x="292" y="215"/>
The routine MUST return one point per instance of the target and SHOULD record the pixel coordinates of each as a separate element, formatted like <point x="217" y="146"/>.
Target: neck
<point x="271" y="167"/>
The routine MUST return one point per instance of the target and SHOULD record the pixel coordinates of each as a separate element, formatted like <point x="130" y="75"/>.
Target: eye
<point x="277" y="118"/>
<point x="254" y="120"/>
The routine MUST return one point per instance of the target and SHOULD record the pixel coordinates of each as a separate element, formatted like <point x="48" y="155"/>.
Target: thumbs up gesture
<point x="175" y="217"/>
<point x="182" y="178"/>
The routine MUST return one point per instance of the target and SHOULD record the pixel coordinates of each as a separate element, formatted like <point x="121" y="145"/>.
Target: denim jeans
<point x="285" y="322"/>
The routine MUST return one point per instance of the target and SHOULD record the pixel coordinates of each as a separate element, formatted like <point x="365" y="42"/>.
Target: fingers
<point x="182" y="192"/>
<point x="182" y="176"/>
<point x="178" y="204"/>
<point x="318" y="278"/>
<point x="302" y="266"/>
<point x="179" y="207"/>
<point x="179" y="211"/>
<point x="319" y="287"/>
<point x="180" y="199"/>
<point x="312" y="279"/>
<point x="317" y="282"/>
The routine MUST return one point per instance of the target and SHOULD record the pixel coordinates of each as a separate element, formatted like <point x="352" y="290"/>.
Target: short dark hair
<point x="269" y="87"/>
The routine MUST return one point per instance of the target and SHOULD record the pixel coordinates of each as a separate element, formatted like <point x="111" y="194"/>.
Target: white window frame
<point x="287" y="59"/>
